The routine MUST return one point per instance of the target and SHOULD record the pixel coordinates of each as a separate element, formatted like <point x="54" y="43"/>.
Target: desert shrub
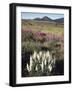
<point x="39" y="37"/>
<point x="27" y="35"/>
<point x="55" y="47"/>
<point x="30" y="46"/>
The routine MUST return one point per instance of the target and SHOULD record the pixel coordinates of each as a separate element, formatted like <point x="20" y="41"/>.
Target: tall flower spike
<point x="38" y="56"/>
<point x="45" y="61"/>
<point x="44" y="55"/>
<point x="36" y="68"/>
<point x="31" y="62"/>
<point x="40" y="53"/>
<point x="34" y="55"/>
<point x="28" y="68"/>
<point x="47" y="54"/>
<point x="50" y="68"/>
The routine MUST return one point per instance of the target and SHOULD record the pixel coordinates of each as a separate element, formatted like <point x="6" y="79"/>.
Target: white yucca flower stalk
<point x="47" y="54"/>
<point x="36" y="68"/>
<point x="50" y="68"/>
<point x="40" y="53"/>
<point x="38" y="57"/>
<point x="50" y="57"/>
<point x="45" y="61"/>
<point x="34" y="55"/>
<point x="31" y="61"/>
<point x="28" y="68"/>
<point x="54" y="60"/>
<point x="43" y="56"/>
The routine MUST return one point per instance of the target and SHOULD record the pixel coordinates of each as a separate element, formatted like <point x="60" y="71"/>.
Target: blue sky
<point x="30" y="15"/>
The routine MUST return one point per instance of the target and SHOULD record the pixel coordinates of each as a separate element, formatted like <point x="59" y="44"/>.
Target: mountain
<point x="37" y="19"/>
<point x="45" y="18"/>
<point x="60" y="20"/>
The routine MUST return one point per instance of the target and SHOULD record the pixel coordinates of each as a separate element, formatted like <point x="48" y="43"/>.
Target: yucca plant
<point x="41" y="63"/>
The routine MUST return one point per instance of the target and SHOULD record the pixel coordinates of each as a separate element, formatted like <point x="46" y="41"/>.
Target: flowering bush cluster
<point x="40" y="36"/>
<point x="51" y="36"/>
<point x="41" y="63"/>
<point x="32" y="40"/>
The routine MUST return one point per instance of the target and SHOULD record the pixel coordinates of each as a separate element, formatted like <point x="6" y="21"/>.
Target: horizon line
<point x="41" y="18"/>
<point x="30" y="15"/>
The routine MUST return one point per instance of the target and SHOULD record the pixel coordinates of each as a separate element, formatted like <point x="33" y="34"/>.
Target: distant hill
<point x="60" y="20"/>
<point x="37" y="19"/>
<point x="45" y="18"/>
